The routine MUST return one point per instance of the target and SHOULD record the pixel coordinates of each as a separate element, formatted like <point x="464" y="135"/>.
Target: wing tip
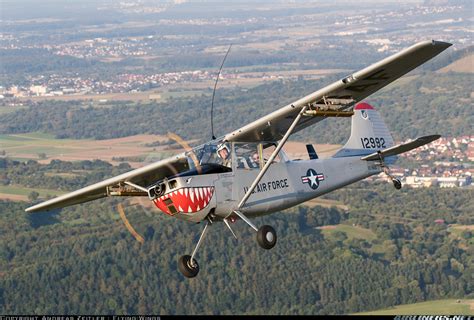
<point x="437" y="44"/>
<point x="441" y="44"/>
<point x="432" y="137"/>
<point x="30" y="209"/>
<point x="36" y="208"/>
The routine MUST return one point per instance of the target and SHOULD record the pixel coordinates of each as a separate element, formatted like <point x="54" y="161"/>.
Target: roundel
<point x="312" y="178"/>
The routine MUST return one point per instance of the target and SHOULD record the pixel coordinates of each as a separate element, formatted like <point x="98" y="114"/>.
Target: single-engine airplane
<point x="246" y="174"/>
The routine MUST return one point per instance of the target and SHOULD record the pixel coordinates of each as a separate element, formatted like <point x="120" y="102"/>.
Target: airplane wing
<point x="144" y="177"/>
<point x="340" y="95"/>
<point x="401" y="148"/>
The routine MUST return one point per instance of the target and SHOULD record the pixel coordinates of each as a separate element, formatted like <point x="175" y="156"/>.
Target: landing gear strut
<point x="396" y="182"/>
<point x="188" y="269"/>
<point x="266" y="235"/>
<point x="187" y="264"/>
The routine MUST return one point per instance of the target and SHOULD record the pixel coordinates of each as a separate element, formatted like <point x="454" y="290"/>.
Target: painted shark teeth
<point x="186" y="200"/>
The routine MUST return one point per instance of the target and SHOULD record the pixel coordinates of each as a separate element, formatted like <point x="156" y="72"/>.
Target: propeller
<point x="185" y="146"/>
<point x="192" y="155"/>
<point x="129" y="227"/>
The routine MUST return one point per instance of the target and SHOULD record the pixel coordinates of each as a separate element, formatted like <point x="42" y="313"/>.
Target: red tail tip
<point x="363" y="106"/>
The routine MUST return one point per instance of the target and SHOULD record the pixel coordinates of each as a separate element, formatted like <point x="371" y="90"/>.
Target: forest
<point x="384" y="250"/>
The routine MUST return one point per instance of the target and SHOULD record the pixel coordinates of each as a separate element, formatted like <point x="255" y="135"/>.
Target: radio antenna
<point x="214" y="93"/>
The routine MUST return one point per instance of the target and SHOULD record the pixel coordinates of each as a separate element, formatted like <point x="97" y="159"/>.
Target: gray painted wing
<point x="144" y="176"/>
<point x="401" y="148"/>
<point x="355" y="87"/>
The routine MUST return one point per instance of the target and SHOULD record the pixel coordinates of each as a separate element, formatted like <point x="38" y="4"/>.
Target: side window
<point x="247" y="156"/>
<point x="267" y="152"/>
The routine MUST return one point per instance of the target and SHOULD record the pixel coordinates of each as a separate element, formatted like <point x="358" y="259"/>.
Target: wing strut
<point x="270" y="160"/>
<point x="266" y="235"/>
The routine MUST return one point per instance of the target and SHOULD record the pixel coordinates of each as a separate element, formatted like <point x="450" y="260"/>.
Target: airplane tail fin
<point x="368" y="133"/>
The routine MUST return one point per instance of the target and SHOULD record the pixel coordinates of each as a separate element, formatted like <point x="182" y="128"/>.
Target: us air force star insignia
<point x="312" y="178"/>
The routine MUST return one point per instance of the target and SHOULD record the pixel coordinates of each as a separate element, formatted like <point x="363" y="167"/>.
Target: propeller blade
<point x="128" y="225"/>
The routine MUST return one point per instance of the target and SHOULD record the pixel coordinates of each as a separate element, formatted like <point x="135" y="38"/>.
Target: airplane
<point x="246" y="174"/>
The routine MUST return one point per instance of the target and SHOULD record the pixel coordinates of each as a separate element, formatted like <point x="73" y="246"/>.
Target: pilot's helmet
<point x="223" y="146"/>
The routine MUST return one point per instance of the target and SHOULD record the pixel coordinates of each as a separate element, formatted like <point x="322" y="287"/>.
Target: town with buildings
<point x="444" y="163"/>
<point x="59" y="85"/>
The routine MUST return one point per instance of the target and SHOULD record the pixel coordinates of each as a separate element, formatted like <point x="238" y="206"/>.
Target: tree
<point x="33" y="195"/>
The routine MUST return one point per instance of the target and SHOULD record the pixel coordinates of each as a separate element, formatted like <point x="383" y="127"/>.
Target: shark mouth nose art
<point x="185" y="200"/>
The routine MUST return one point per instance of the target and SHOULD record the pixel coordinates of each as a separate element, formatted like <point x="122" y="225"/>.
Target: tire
<point x="184" y="265"/>
<point x="397" y="184"/>
<point x="266" y="237"/>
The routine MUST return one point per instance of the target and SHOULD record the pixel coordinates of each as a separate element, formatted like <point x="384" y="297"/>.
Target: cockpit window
<point x="267" y="152"/>
<point x="217" y="156"/>
<point x="248" y="155"/>
<point x="215" y="153"/>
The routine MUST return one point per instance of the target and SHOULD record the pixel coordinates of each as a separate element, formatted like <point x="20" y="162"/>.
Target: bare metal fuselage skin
<point x="285" y="184"/>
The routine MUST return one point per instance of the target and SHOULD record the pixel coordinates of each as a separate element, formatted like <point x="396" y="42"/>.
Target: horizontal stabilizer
<point x="401" y="148"/>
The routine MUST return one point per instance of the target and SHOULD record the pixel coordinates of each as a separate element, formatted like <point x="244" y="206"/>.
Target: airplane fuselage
<point x="286" y="184"/>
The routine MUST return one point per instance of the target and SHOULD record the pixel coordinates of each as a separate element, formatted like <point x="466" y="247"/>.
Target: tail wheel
<point x="188" y="269"/>
<point x="266" y="237"/>
<point x="397" y="184"/>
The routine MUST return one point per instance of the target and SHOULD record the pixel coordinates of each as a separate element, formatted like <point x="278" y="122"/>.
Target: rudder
<point x="368" y="132"/>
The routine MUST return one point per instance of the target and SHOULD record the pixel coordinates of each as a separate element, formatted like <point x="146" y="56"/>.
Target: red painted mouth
<point x="186" y="200"/>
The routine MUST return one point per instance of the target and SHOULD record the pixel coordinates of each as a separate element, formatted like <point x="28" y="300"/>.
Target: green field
<point x="435" y="307"/>
<point x="352" y="232"/>
<point x="327" y="203"/>
<point x="23" y="191"/>
<point x="8" y="109"/>
<point x="41" y="146"/>
<point x="458" y="231"/>
<point x="12" y="140"/>
<point x="31" y="144"/>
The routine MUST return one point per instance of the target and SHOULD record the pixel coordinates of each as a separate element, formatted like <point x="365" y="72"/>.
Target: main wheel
<point x="397" y="184"/>
<point x="266" y="237"/>
<point x="188" y="269"/>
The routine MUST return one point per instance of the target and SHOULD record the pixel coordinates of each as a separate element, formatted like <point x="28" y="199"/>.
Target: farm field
<point x="352" y="232"/>
<point x="435" y="307"/>
<point x="20" y="193"/>
<point x="31" y="145"/>
<point x="464" y="65"/>
<point x="457" y="231"/>
<point x="327" y="203"/>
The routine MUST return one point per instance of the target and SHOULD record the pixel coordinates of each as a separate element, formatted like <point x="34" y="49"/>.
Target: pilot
<point x="223" y="152"/>
<point x="255" y="160"/>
